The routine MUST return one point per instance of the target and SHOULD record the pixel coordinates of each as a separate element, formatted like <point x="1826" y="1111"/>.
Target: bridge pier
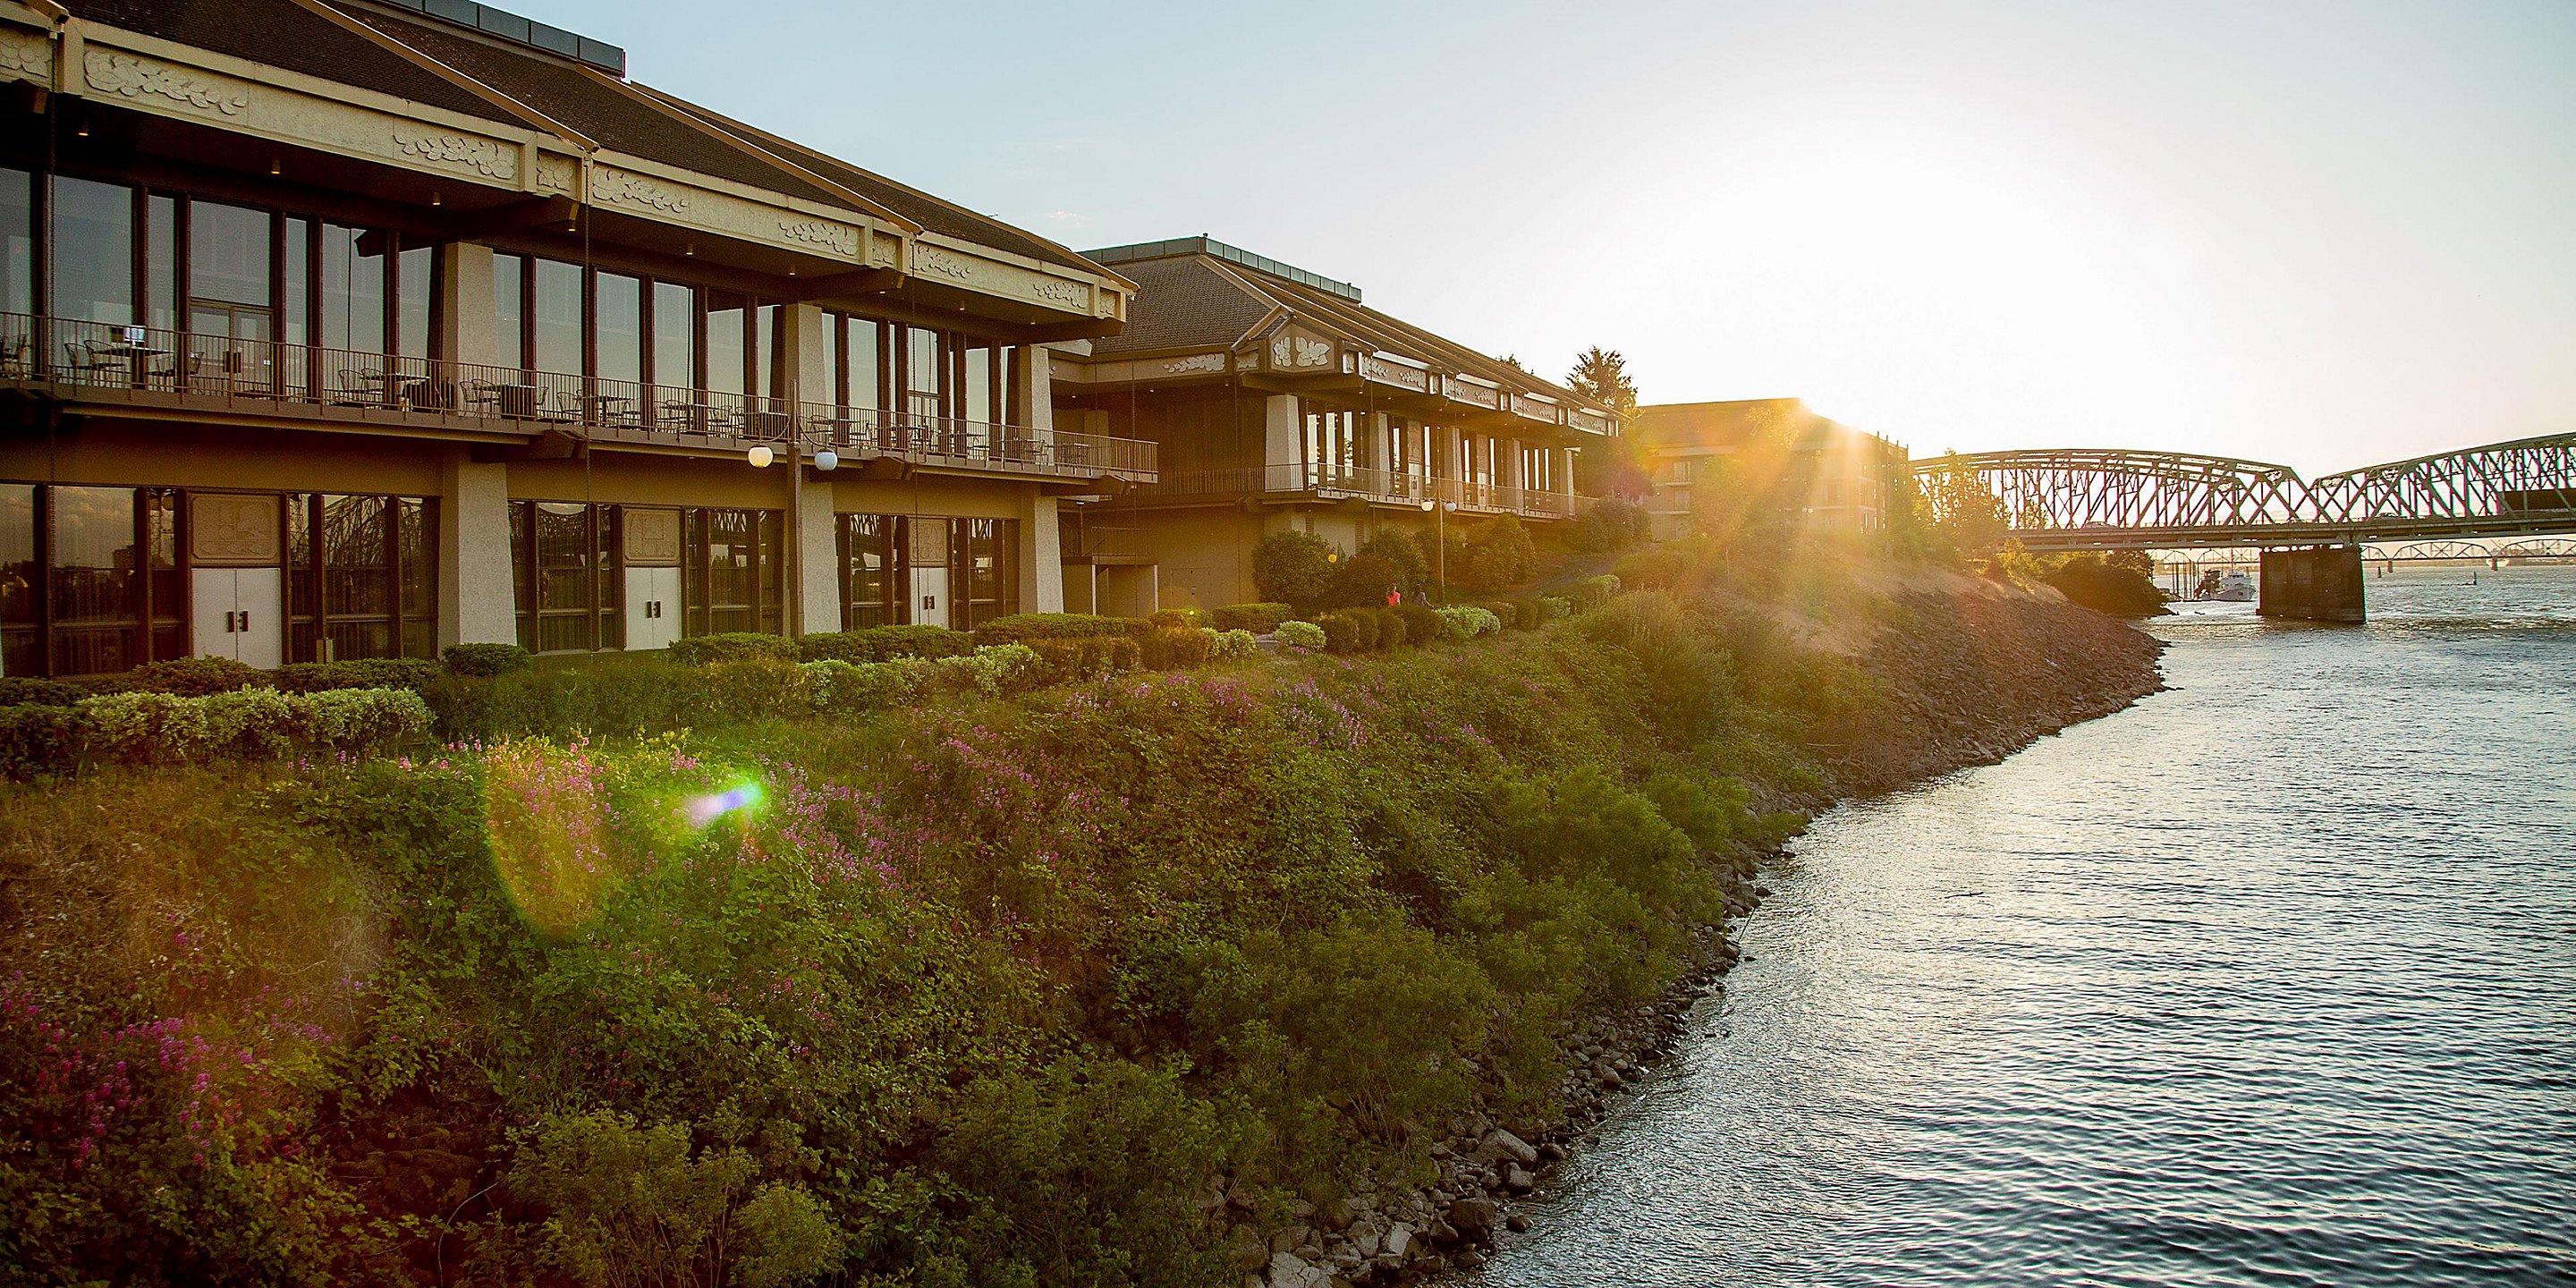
<point x="2315" y="584"/>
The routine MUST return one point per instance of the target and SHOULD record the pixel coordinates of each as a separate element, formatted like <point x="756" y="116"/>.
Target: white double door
<point x="236" y="611"/>
<point x="652" y="607"/>
<point x="930" y="596"/>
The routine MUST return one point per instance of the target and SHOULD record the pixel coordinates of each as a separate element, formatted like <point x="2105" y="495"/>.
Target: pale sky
<point x="2325" y="234"/>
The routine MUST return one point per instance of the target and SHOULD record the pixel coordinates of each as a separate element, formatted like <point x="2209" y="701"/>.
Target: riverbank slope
<point x="1164" y="979"/>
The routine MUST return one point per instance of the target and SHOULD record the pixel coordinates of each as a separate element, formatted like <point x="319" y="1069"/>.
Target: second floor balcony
<point x="152" y="371"/>
<point x="1322" y="482"/>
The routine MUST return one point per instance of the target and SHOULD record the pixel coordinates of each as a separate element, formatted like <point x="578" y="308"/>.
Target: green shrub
<point x="852" y="688"/>
<point x="758" y="687"/>
<point x="1086" y="657"/>
<point x="1026" y="628"/>
<point x="188" y="677"/>
<point x="1500" y="555"/>
<point x="1179" y="617"/>
<point x="29" y="691"/>
<point x="1293" y="567"/>
<point x="1422" y="624"/>
<point x="1504" y="611"/>
<point x="727" y="646"/>
<point x="1466" y="622"/>
<point x="1391" y="632"/>
<point x="1404" y="554"/>
<point x="1000" y="670"/>
<point x="1363" y="581"/>
<point x="1528" y="612"/>
<point x="1174" y="648"/>
<point x="1303" y="636"/>
<point x="640" y="1205"/>
<point x="1260" y="619"/>
<point x="151" y="727"/>
<point x="356" y="673"/>
<point x="1611" y="524"/>
<point x="1227" y="646"/>
<point x="484" y="659"/>
<point x="1559" y="607"/>
<point x="37" y="740"/>
<point x="1349" y="630"/>
<point x="885" y="643"/>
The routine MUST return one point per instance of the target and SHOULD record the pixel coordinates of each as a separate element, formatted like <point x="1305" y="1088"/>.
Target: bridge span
<point x="2062" y="499"/>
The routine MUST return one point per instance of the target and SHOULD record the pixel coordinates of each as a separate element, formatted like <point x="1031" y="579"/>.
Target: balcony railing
<point x="1333" y="482"/>
<point x="203" y="372"/>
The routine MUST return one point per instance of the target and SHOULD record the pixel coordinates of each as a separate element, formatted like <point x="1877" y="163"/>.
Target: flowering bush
<point x="1226" y="646"/>
<point x="1466" y="623"/>
<point x="1303" y="636"/>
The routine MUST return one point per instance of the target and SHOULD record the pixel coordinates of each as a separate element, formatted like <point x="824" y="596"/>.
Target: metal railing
<point x="247" y="375"/>
<point x="1335" y="482"/>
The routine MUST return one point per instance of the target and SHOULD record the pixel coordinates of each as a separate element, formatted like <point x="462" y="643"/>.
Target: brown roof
<point x="282" y="34"/>
<point x="1199" y="301"/>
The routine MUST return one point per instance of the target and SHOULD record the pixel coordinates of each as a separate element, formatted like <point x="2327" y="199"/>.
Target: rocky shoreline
<point x="1966" y="677"/>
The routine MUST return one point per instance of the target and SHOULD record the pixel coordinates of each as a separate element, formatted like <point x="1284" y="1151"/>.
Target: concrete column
<point x="1283" y="449"/>
<point x="466" y="300"/>
<point x="1036" y="389"/>
<point x="1041" y="556"/>
<point x="808" y="373"/>
<point x="817" y="565"/>
<point x="476" y="593"/>
<point x="2317" y="584"/>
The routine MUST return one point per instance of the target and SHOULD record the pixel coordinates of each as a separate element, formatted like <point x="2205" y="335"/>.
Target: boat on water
<point x="2233" y="587"/>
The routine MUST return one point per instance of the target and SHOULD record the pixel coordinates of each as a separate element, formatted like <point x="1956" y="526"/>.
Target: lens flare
<point x="703" y="810"/>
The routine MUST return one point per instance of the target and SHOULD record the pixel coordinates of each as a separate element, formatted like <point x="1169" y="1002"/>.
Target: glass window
<point x="161" y="263"/>
<point x="675" y="335"/>
<point x="353" y="293"/>
<point x="861" y="347"/>
<point x="872" y="570"/>
<point x="979" y="385"/>
<point x="299" y="291"/>
<point x="922" y="377"/>
<point x="984" y="570"/>
<point x="17" y="245"/>
<point x="725" y="354"/>
<point x="21" y="644"/>
<point x="416" y="562"/>
<point x="165" y="588"/>
<point x="95" y="584"/>
<point x="93" y="257"/>
<point x="733" y="577"/>
<point x="415" y="325"/>
<point x="566" y="577"/>
<point x="558" y="309"/>
<point x="509" y="312"/>
<point x="621" y="327"/>
<point x="764" y="377"/>
<point x="357" y="579"/>
<point x="227" y="252"/>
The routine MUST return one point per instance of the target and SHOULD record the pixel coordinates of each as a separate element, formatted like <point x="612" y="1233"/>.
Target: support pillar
<point x="817" y="566"/>
<point x="2315" y="584"/>
<point x="477" y="595"/>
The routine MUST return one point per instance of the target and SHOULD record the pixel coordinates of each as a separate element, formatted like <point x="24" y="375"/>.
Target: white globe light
<point x="827" y="460"/>
<point x="761" y="456"/>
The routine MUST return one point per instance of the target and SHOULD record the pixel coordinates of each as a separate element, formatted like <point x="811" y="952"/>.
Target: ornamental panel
<point x="232" y="529"/>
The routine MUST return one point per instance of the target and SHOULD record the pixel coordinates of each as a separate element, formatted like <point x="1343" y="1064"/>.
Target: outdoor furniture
<point x="608" y="409"/>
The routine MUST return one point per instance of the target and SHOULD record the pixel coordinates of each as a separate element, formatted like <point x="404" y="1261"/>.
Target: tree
<point x="1513" y="361"/>
<point x="1966" y="517"/>
<point x="1294" y="568"/>
<point x="1500" y="555"/>
<point x="1602" y="376"/>
<point x="1400" y="549"/>
<point x="1610" y="467"/>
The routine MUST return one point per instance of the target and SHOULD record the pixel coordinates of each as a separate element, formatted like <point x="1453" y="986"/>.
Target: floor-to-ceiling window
<point x="874" y="572"/>
<point x="569" y="580"/>
<point x="361" y="576"/>
<point x="983" y="576"/>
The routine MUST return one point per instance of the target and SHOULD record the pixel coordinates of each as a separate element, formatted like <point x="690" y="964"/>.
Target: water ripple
<point x="2268" y="981"/>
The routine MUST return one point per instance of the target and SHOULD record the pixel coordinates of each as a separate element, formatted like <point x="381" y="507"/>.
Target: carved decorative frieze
<point x="131" y="77"/>
<point x="931" y="259"/>
<point x="26" y="53"/>
<point x="482" y="156"/>
<point x="634" y="190"/>
<point x="652" y="537"/>
<point x="1203" y="362"/>
<point x="232" y="530"/>
<point x="1396" y="373"/>
<point x="840" y="239"/>
<point x="556" y="173"/>
<point x="1312" y="353"/>
<point x="1279" y="351"/>
<point x="1059" y="291"/>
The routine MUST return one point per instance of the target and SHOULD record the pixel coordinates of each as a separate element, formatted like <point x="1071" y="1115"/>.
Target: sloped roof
<point x="1199" y="301"/>
<point x="283" y="34"/>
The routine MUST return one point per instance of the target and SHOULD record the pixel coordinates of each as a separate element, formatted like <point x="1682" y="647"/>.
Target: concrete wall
<point x="2317" y="584"/>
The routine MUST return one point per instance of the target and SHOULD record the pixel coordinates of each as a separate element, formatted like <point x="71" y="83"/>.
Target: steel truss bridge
<point x="2112" y="499"/>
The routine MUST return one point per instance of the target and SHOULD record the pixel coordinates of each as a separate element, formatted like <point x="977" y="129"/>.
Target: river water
<point x="2268" y="980"/>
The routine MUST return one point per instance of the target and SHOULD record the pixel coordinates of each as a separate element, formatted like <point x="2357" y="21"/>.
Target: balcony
<point x="1342" y="483"/>
<point x="183" y="373"/>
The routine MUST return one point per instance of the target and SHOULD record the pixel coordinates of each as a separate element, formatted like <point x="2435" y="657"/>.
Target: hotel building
<point x="1836" y="478"/>
<point x="353" y="328"/>
<point x="1274" y="398"/>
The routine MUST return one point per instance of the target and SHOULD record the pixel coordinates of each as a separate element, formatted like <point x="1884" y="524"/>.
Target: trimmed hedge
<point x="1504" y="611"/>
<point x="29" y="691"/>
<point x="1348" y="630"/>
<point x="1467" y="622"/>
<point x="190" y="677"/>
<point x="1260" y="619"/>
<point x="1178" y="617"/>
<point x="1422" y="624"/>
<point x="1175" y="648"/>
<point x="1226" y="646"/>
<point x="1303" y="636"/>
<point x="359" y="673"/>
<point x="1086" y="657"/>
<point x="484" y="659"/>
<point x="885" y="644"/>
<point x="1391" y="632"/>
<point x="731" y="646"/>
<point x="149" y="726"/>
<point x="1028" y="628"/>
